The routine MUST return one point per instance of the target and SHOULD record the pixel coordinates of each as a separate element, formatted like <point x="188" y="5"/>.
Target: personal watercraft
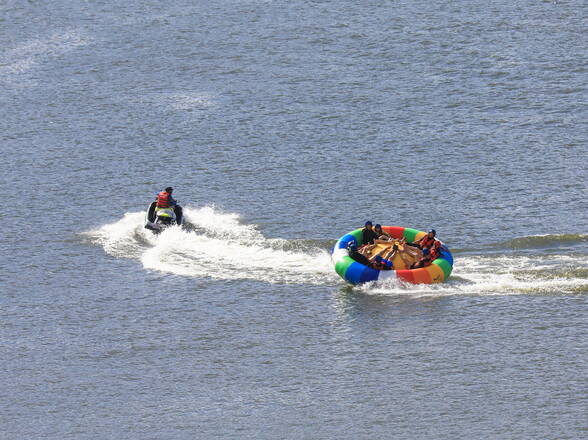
<point x="160" y="218"/>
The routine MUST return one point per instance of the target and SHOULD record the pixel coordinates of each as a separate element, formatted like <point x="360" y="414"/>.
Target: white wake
<point x="219" y="246"/>
<point x="500" y="275"/>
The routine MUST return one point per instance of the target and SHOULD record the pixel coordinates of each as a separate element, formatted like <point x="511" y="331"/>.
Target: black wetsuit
<point x="368" y="236"/>
<point x="360" y="258"/>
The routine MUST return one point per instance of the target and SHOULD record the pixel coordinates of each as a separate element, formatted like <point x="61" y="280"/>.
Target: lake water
<point x="282" y="126"/>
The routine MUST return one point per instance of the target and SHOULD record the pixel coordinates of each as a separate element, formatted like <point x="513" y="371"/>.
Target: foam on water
<point x="189" y="101"/>
<point x="173" y="101"/>
<point x="27" y="55"/>
<point x="499" y="275"/>
<point x="218" y="245"/>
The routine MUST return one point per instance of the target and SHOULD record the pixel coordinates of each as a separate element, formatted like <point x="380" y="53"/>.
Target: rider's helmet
<point x="169" y="189"/>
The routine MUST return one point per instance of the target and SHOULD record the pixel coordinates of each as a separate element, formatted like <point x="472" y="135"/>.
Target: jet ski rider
<point x="165" y="200"/>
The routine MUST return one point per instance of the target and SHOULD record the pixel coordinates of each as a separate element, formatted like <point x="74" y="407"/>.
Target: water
<point x="282" y="126"/>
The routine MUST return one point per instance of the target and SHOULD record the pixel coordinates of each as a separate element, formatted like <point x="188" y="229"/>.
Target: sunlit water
<point x="282" y="126"/>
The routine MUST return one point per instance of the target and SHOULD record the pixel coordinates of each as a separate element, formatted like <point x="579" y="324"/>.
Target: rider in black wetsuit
<point x="368" y="234"/>
<point x="354" y="253"/>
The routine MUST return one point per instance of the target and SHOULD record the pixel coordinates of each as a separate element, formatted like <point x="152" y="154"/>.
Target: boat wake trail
<point x="536" y="265"/>
<point x="217" y="245"/>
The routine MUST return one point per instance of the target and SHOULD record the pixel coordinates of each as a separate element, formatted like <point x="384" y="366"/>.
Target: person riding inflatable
<point x="382" y="264"/>
<point x="428" y="240"/>
<point x="426" y="260"/>
<point x="354" y="253"/>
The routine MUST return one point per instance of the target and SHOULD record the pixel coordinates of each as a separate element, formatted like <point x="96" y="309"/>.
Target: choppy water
<point x="283" y="125"/>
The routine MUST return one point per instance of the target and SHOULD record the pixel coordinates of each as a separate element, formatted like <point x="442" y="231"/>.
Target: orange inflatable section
<point x="421" y="276"/>
<point x="435" y="272"/>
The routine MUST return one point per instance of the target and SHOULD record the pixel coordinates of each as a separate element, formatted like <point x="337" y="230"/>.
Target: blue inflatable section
<point x="369" y="274"/>
<point x="446" y="255"/>
<point x="344" y="241"/>
<point x="354" y="272"/>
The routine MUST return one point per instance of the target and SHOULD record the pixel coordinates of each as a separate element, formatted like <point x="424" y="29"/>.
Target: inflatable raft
<point x="357" y="273"/>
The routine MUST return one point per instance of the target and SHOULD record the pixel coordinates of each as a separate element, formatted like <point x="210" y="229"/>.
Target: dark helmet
<point x="378" y="258"/>
<point x="378" y="226"/>
<point x="425" y="251"/>
<point x="432" y="231"/>
<point x="351" y="245"/>
<point x="169" y="189"/>
<point x="369" y="223"/>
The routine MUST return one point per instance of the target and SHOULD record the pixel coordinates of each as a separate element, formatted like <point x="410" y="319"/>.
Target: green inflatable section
<point x="358" y="236"/>
<point x="443" y="264"/>
<point x="341" y="266"/>
<point x="410" y="234"/>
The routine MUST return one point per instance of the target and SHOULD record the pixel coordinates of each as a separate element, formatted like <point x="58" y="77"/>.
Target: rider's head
<point x="169" y="189"/>
<point x="432" y="233"/>
<point x="368" y="224"/>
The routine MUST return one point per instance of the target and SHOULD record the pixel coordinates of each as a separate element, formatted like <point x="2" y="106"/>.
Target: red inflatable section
<point x="395" y="231"/>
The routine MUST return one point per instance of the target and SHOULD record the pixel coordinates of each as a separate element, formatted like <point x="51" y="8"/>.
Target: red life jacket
<point x="427" y="242"/>
<point x="163" y="199"/>
<point x="423" y="262"/>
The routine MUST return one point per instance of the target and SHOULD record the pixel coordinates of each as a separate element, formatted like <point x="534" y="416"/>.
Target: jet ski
<point x="158" y="219"/>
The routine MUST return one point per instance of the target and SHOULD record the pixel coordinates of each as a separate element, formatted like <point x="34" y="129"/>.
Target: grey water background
<point x="305" y="119"/>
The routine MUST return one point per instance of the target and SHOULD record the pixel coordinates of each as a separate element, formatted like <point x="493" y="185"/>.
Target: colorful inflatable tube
<point x="357" y="273"/>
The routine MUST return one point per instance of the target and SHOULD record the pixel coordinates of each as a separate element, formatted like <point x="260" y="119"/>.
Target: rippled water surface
<point x="282" y="126"/>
